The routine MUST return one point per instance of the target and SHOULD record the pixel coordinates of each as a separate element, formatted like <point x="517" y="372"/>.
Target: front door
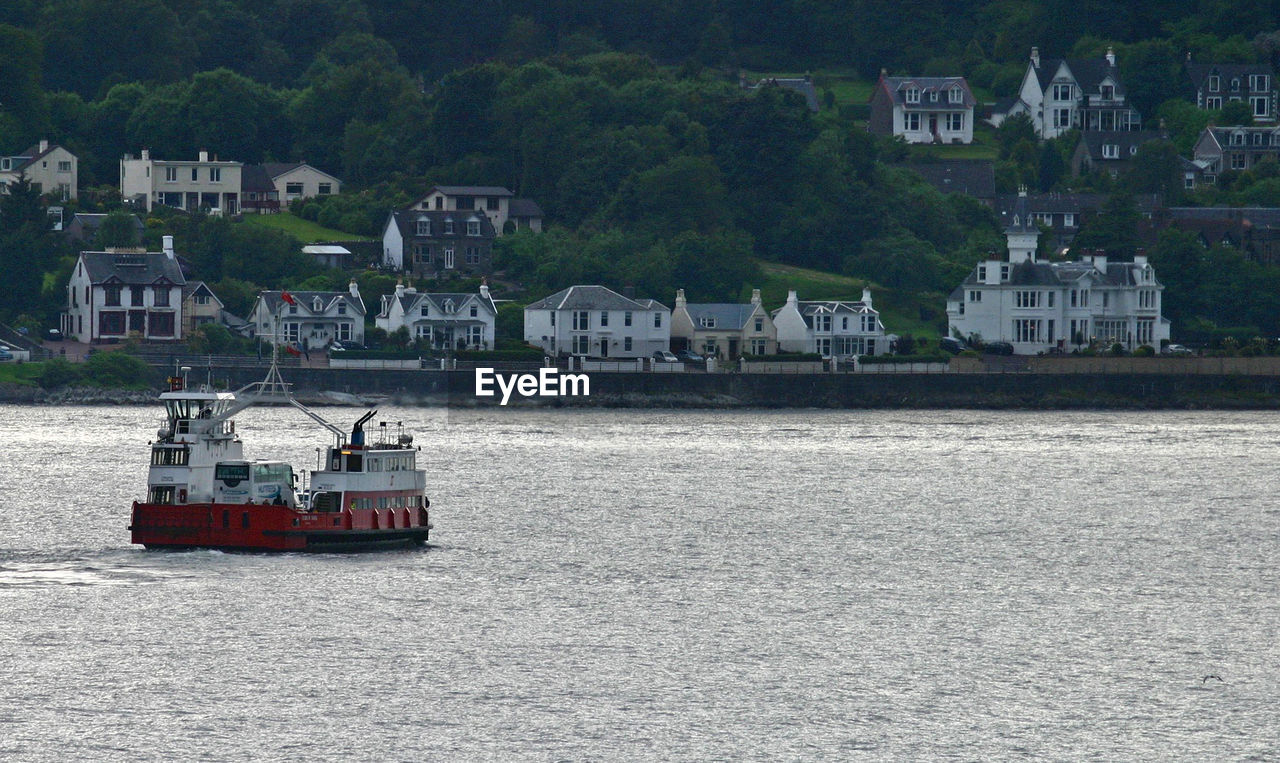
<point x="604" y="347"/>
<point x="138" y="321"/>
<point x="733" y="349"/>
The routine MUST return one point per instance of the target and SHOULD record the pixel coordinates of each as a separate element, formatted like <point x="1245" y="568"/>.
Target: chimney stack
<point x="44" y="146"/>
<point x="1035" y="57"/>
<point x="484" y="292"/>
<point x="399" y="288"/>
<point x="146" y="154"/>
<point x="168" y="247"/>
<point x="204" y="156"/>
<point x="755" y="296"/>
<point x="866" y="297"/>
<point x="355" y="290"/>
<point x="1111" y="56"/>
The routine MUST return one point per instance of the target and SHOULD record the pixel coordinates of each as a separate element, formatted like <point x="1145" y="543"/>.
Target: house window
<point x="1062" y="117"/>
<point x="758" y="346"/>
<point x="473" y="255"/>
<point x="215" y="174"/>
<point x="112" y="296"/>
<point x="1061" y="92"/>
<point x="975" y="295"/>
<point x="626" y="318"/>
<point x="911" y="121"/>
<point x="160" y="295"/>
<point x="822" y="323"/>
<point x="1259" y="83"/>
<point x="1110" y="151"/>
<point x="759" y="324"/>
<point x="868" y="324"/>
<point x="657" y="320"/>
<point x="553" y="320"/>
<point x="170" y="174"/>
<point x="195" y="174"/>
<point x="64" y="166"/>
<point x="1004" y="272"/>
<point x="1026" y="299"/>
<point x="423" y="228"/>
<point x="955" y="95"/>
<point x="1108" y="92"/>
<point x="1026" y="330"/>
<point x="982" y="272"/>
<point x="1213" y="103"/>
<point x="626" y="344"/>
<point x="955" y="121"/>
<point x="135" y="296"/>
<point x="581" y="320"/>
<point x="707" y="322"/>
<point x="913" y="95"/>
<point x="342" y="308"/>
<point x="581" y="344"/>
<point x="1215" y="83"/>
<point x="933" y="96"/>
<point x="344" y="332"/>
<point x="844" y="323"/>
<point x="1069" y="220"/>
<point x="1146" y="331"/>
<point x="200" y="299"/>
<point x="473" y="227"/>
<point x="325" y="189"/>
<point x="1237" y="161"/>
<point x="475" y="311"/>
<point x="292" y="331"/>
<point x="491" y="203"/>
<point x="1259" y="103"/>
<point x="1235" y="84"/>
<point x="604" y="318"/>
<point x="448" y="227"/>
<point x="292" y="190"/>
<point x="448" y="258"/>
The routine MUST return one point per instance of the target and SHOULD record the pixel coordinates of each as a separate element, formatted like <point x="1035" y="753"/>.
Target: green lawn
<point x="20" y="373"/>
<point x="900" y="312"/>
<point x="304" y="230"/>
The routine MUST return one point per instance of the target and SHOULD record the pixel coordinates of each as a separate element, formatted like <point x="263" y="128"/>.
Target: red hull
<point x="254" y="527"/>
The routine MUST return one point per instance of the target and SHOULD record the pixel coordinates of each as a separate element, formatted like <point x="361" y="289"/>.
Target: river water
<point x="627" y="585"/>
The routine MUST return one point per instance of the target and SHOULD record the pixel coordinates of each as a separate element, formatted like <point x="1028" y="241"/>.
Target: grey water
<point x="669" y="585"/>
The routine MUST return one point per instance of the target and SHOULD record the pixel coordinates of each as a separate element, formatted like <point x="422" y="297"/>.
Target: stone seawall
<point x="952" y="390"/>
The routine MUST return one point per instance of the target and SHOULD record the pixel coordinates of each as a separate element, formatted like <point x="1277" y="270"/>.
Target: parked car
<point x="53" y="335"/>
<point x="689" y="356"/>
<point x="344" y="345"/>
<point x="1177" y="349"/>
<point x="5" y="355"/>
<point x="952" y="345"/>
<point x="662" y="356"/>
<point x="998" y="348"/>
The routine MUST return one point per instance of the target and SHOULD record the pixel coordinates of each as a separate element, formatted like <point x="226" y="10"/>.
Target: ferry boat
<point x="203" y="493"/>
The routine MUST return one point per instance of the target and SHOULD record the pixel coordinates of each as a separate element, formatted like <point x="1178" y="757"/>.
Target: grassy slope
<point x="304" y="230"/>
<point x="20" y="373"/>
<point x="899" y="312"/>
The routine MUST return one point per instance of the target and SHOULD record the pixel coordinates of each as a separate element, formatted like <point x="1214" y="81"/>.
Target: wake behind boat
<point x="203" y="493"/>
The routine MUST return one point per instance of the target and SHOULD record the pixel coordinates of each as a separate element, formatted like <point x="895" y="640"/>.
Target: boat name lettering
<point x="548" y="382"/>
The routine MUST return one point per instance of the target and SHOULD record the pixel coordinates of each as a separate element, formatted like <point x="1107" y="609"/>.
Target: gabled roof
<point x="593" y="298"/>
<point x="92" y="221"/>
<point x="731" y="316"/>
<point x="1198" y="73"/>
<point x="1088" y="73"/>
<point x="470" y="190"/>
<point x="832" y="306"/>
<point x="802" y="85"/>
<point x="276" y="169"/>
<point x="1029" y="273"/>
<point x="897" y="87"/>
<point x="254" y="177"/>
<point x="131" y="267"/>
<point x="199" y="287"/>
<point x="412" y="301"/>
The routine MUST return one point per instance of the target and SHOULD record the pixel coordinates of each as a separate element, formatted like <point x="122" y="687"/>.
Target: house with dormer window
<point x="831" y="328"/>
<point x="114" y="294"/>
<point x="726" y="331"/>
<point x="1042" y="306"/>
<point x="444" y="321"/>
<point x="1216" y="85"/>
<point x="1219" y="149"/>
<point x="433" y="243"/>
<point x="1110" y="151"/>
<point x="1060" y="94"/>
<point x="309" y="320"/>
<point x="923" y="109"/>
<point x="50" y="168"/>
<point x="593" y="321"/>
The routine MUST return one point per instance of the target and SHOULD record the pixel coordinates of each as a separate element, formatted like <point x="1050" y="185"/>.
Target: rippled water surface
<point x="669" y="585"/>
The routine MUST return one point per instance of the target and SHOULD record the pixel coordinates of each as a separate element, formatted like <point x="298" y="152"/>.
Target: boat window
<point x="264" y="473"/>
<point x="355" y="462"/>
<point x="161" y="494"/>
<point x="170" y="456"/>
<point x="232" y="474"/>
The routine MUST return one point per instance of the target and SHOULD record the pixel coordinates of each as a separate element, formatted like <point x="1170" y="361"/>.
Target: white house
<point x="1063" y="94"/>
<point x="923" y="109"/>
<point x="447" y="321"/>
<point x="116" y="293"/>
<point x="504" y="211"/>
<point x="51" y="168"/>
<point x="203" y="184"/>
<point x="596" y="322"/>
<point x="724" y="331"/>
<point x="831" y="328"/>
<point x="309" y="319"/>
<point x="1042" y="306"/>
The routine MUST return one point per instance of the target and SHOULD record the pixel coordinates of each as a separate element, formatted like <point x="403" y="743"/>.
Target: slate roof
<point x="470" y="190"/>
<point x="1127" y="142"/>
<point x="254" y="177"/>
<point x="896" y="88"/>
<point x="131" y="268"/>
<point x="724" y="315"/>
<point x="971" y="177"/>
<point x="1068" y="203"/>
<point x="1198" y="73"/>
<point x="1028" y="273"/>
<point x="524" y="208"/>
<point x="833" y="306"/>
<point x="307" y="298"/>
<point x="1020" y="219"/>
<point x="411" y="301"/>
<point x="405" y="220"/>
<point x="191" y="287"/>
<point x="802" y="85"/>
<point x="90" y="222"/>
<point x="593" y="298"/>
<point x="1088" y="73"/>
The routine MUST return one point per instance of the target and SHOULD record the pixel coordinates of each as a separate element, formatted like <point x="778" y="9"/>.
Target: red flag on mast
<point x="287" y="297"/>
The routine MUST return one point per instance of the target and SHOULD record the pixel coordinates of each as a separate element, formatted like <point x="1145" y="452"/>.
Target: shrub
<point x="1145" y="351"/>
<point x="117" y="369"/>
<point x="58" y="372"/>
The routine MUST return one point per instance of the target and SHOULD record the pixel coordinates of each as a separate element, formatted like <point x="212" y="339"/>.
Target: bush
<point x="59" y="372"/>
<point x="117" y="369"/>
<point x="1145" y="351"/>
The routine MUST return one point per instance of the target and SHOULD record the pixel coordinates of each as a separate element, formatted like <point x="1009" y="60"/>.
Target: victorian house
<point x="119" y="293"/>
<point x="923" y="109"/>
<point x="446" y="321"/>
<point x="432" y="243"/>
<point x="1041" y="307"/>
<point x="309" y="320"/>
<point x="831" y="328"/>
<point x="1062" y="94"/>
<point x="593" y="321"/>
<point x="1216" y="85"/>
<point x="725" y="331"/>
